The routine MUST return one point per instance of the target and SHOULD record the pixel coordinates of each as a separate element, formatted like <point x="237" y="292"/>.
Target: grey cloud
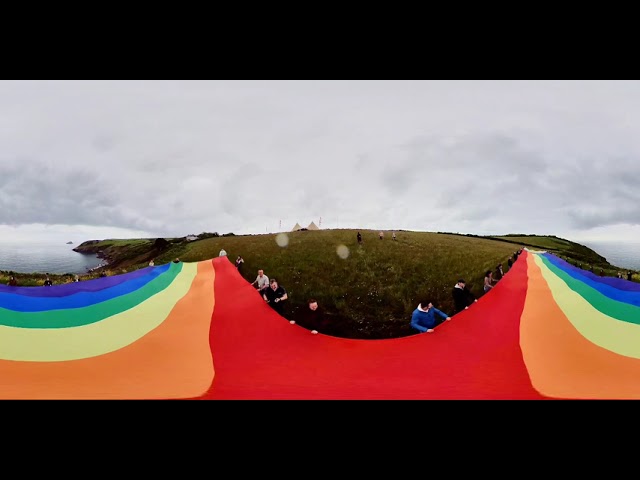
<point x="104" y="142"/>
<point x="39" y="193"/>
<point x="175" y="156"/>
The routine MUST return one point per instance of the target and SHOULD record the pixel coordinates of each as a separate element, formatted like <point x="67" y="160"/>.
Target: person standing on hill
<point x="275" y="295"/>
<point x="630" y="276"/>
<point x="239" y="262"/>
<point x="12" y="281"/>
<point x="488" y="281"/>
<point x="359" y="239"/>
<point x="510" y="263"/>
<point x="313" y="317"/>
<point x="462" y="296"/>
<point x="261" y="282"/>
<point x="499" y="273"/>
<point x="47" y="282"/>
<point x="424" y="318"/>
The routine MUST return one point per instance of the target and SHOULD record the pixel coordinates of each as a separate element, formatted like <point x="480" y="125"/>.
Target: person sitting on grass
<point x="424" y="318"/>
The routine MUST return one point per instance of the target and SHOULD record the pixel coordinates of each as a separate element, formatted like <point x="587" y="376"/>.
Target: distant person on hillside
<point x="488" y="281"/>
<point x="381" y="234"/>
<point x="393" y="236"/>
<point x="275" y="295"/>
<point x="601" y="272"/>
<point x="630" y="276"/>
<point x="313" y="317"/>
<point x="76" y="278"/>
<point x="510" y="262"/>
<point x="620" y="275"/>
<point x="359" y="238"/>
<point x="152" y="263"/>
<point x="12" y="281"/>
<point x="47" y="282"/>
<point x="424" y="318"/>
<point x="462" y="296"/>
<point x="222" y="253"/>
<point x="261" y="282"/>
<point x="239" y="262"/>
<point x="177" y="260"/>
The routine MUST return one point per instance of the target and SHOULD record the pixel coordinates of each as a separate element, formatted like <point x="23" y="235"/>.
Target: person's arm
<point x="442" y="314"/>
<point x="416" y="325"/>
<point x="470" y="295"/>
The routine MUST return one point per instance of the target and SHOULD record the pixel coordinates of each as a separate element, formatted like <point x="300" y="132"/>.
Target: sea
<point x="620" y="254"/>
<point x="44" y="257"/>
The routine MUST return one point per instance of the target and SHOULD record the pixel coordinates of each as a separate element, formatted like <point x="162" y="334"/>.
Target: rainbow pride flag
<point x="200" y="331"/>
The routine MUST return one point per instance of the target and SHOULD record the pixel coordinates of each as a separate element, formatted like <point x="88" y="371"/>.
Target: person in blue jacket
<point x="424" y="318"/>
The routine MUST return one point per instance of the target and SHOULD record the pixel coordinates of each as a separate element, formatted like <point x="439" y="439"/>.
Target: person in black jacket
<point x="314" y="318"/>
<point x="274" y="295"/>
<point x="462" y="296"/>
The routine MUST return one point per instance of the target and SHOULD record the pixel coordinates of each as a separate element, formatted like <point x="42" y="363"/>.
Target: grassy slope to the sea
<point x="372" y="292"/>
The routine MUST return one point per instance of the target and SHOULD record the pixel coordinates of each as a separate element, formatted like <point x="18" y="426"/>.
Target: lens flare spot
<point x="342" y="251"/>
<point x="282" y="239"/>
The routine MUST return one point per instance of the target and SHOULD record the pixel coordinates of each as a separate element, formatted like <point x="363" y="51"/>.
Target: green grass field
<point x="372" y="292"/>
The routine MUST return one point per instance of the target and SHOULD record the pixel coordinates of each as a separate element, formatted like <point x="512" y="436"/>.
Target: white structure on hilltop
<point x="312" y="226"/>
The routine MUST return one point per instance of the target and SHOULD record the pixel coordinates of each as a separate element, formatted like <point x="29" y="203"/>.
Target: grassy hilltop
<point x="372" y="292"/>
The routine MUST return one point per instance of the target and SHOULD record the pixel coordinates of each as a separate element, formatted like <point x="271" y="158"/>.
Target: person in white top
<point x="222" y="253"/>
<point x="262" y="281"/>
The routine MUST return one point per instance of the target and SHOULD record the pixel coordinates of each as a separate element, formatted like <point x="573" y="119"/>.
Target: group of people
<point x="425" y="318"/>
<point x="47" y="281"/>
<point x="271" y="292"/>
<point x="312" y="318"/>
<point x="380" y="235"/>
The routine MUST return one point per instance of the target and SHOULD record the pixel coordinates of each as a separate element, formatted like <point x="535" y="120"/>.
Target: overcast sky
<point x="103" y="159"/>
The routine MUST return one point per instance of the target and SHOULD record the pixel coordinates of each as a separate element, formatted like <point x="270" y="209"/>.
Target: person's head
<point x="313" y="304"/>
<point x="426" y="304"/>
<point x="12" y="277"/>
<point x="499" y="265"/>
<point x="274" y="284"/>
<point x="488" y="274"/>
<point x="260" y="273"/>
<point x="461" y="283"/>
